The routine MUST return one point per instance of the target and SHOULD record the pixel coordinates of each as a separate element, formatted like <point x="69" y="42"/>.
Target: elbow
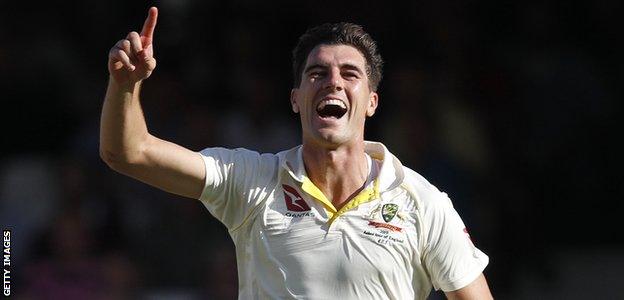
<point x="123" y="158"/>
<point x="117" y="161"/>
<point x="110" y="158"/>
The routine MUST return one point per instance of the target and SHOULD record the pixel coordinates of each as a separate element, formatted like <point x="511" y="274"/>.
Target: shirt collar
<point x="390" y="175"/>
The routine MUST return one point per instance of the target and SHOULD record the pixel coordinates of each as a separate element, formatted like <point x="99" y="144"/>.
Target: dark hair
<point x="339" y="34"/>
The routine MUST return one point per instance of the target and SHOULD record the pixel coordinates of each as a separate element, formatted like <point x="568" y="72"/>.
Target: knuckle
<point x="121" y="54"/>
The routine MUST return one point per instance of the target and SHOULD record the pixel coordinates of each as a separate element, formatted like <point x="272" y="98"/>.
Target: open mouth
<point x="331" y="108"/>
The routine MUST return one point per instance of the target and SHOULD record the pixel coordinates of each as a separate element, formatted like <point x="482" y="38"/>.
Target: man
<point x="335" y="218"/>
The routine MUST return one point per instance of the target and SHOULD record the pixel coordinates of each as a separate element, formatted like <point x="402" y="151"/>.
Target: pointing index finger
<point x="147" y="32"/>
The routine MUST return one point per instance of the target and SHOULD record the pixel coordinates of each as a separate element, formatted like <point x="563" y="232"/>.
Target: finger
<point x="135" y="42"/>
<point x="147" y="33"/>
<point x="120" y="55"/>
<point x="123" y="45"/>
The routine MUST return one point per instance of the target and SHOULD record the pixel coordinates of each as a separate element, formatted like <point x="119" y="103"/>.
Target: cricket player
<point x="337" y="217"/>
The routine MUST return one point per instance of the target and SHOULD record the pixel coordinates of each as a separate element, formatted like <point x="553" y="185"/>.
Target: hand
<point x="132" y="59"/>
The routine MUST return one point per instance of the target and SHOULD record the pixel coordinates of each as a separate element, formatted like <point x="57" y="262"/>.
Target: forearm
<point x="123" y="131"/>
<point x="125" y="144"/>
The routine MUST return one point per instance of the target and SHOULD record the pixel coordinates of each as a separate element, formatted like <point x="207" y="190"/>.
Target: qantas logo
<point x="294" y="201"/>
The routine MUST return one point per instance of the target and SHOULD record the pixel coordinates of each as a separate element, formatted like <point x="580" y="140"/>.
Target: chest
<point x="300" y="231"/>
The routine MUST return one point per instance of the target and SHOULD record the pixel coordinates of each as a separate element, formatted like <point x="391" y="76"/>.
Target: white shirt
<point x="394" y="240"/>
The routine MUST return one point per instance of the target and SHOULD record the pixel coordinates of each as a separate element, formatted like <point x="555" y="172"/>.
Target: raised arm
<point x="125" y="143"/>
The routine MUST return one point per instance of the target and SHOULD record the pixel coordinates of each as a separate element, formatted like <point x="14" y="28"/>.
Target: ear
<point x="293" y="100"/>
<point x="372" y="104"/>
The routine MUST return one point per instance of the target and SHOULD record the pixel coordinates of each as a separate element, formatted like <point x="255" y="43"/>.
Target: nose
<point x="334" y="80"/>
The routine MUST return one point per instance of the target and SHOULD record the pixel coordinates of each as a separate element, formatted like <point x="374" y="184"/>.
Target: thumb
<point x="150" y="62"/>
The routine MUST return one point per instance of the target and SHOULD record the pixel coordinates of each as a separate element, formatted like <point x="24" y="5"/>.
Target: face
<point x="334" y="97"/>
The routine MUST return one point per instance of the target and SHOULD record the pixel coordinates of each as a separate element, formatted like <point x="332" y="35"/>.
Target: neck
<point x="339" y="173"/>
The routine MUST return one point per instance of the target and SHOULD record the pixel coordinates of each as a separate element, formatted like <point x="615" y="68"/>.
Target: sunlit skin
<point x="333" y="148"/>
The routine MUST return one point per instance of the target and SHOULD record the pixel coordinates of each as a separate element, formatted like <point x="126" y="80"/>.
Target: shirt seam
<point x="258" y="206"/>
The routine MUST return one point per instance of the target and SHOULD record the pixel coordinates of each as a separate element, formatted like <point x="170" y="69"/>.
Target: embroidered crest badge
<point x="388" y="211"/>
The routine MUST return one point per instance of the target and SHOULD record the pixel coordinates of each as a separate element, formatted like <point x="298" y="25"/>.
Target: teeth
<point x="324" y="103"/>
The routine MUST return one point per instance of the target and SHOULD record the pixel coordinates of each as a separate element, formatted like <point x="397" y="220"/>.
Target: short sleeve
<point x="450" y="256"/>
<point x="236" y="182"/>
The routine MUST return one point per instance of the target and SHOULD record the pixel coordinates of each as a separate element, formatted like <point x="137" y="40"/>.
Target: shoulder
<point x="240" y="161"/>
<point x="238" y="154"/>
<point x="402" y="181"/>
<point x="425" y="195"/>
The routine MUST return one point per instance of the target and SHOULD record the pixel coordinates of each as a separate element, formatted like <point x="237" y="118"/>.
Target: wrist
<point x="123" y="86"/>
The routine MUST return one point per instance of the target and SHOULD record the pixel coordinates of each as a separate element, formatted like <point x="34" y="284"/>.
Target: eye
<point x="316" y="74"/>
<point x="350" y="75"/>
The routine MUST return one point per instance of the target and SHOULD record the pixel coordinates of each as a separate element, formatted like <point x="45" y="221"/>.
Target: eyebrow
<point x="347" y="66"/>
